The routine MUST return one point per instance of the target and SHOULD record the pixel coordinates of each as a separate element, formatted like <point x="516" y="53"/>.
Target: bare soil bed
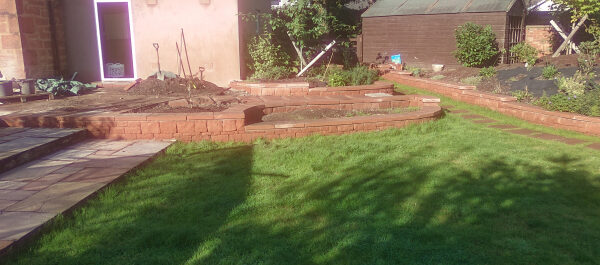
<point x="315" y="114"/>
<point x="175" y="87"/>
<point x="513" y="77"/>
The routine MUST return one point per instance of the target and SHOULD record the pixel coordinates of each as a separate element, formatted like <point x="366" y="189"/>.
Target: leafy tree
<point x="476" y="45"/>
<point x="581" y="8"/>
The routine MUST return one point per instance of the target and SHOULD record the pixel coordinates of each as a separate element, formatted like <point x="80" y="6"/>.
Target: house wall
<point x="423" y="39"/>
<point x="11" y="52"/>
<point x="211" y="32"/>
<point x="543" y="38"/>
<point x="42" y="37"/>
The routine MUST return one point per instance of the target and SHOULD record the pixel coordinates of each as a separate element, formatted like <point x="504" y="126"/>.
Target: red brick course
<point x="505" y="104"/>
<point x="305" y="88"/>
<point x="242" y="122"/>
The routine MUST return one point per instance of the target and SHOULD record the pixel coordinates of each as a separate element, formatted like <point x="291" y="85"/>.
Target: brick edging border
<point x="504" y="104"/>
<point x="305" y="88"/>
<point x="241" y="122"/>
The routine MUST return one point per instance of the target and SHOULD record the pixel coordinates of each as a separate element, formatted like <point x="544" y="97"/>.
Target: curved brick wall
<point x="504" y="104"/>
<point x="242" y="122"/>
<point x="305" y="88"/>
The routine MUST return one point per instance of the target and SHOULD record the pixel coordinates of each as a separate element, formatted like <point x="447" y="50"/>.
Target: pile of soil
<point x="164" y="108"/>
<point x="175" y="87"/>
<point x="315" y="114"/>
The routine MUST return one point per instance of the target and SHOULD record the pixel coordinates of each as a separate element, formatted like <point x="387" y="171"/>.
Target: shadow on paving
<point x="356" y="207"/>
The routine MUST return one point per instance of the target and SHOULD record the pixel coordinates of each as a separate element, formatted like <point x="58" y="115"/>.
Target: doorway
<point x="115" y="41"/>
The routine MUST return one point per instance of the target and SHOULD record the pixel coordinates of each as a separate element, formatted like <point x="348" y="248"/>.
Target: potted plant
<point x="6" y="88"/>
<point x="28" y="86"/>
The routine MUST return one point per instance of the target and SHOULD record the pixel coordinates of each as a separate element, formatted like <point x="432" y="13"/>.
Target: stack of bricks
<point x="541" y="38"/>
<point x="43" y="46"/>
<point x="11" y="53"/>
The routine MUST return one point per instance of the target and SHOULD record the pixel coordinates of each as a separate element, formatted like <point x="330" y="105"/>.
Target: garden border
<point x="504" y="104"/>
<point x="306" y="88"/>
<point x="240" y="122"/>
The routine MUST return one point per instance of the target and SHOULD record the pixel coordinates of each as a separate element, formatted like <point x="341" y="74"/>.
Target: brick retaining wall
<point x="504" y="104"/>
<point x="240" y="122"/>
<point x="305" y="88"/>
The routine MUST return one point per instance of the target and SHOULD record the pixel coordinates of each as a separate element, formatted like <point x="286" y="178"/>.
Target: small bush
<point x="415" y="71"/>
<point x="476" y="45"/>
<point x="472" y="80"/>
<point x="487" y="72"/>
<point x="522" y="95"/>
<point x="362" y="75"/>
<point x="525" y="53"/>
<point x="268" y="60"/>
<point x="338" y="77"/>
<point x="549" y="72"/>
<point x="589" y="52"/>
<point x="573" y="86"/>
<point x="356" y="76"/>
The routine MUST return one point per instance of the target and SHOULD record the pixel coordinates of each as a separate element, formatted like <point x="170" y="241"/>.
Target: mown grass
<point x="445" y="192"/>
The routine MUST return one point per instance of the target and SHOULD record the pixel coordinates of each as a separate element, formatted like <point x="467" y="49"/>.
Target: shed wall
<point x="423" y="39"/>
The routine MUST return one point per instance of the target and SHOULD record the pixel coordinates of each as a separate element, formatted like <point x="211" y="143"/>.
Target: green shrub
<point x="415" y="71"/>
<point x="573" y="86"/>
<point x="549" y="72"/>
<point x="525" y="53"/>
<point x="487" y="72"/>
<point x="476" y="45"/>
<point x="268" y="60"/>
<point x="522" y="95"/>
<point x="586" y="104"/>
<point x="472" y="80"/>
<point x="438" y="77"/>
<point x="589" y="52"/>
<point x="356" y="76"/>
<point x="338" y="77"/>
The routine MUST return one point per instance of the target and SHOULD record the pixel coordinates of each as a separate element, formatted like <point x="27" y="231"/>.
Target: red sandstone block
<point x="200" y="126"/>
<point x="214" y="125"/>
<point x="183" y="138"/>
<point x="220" y="138"/>
<point x="132" y="130"/>
<point x="168" y="127"/>
<point x="186" y="127"/>
<point x="166" y="117"/>
<point x="345" y="128"/>
<point x="117" y="130"/>
<point x="150" y="127"/>
<point x="229" y="115"/>
<point x="131" y="117"/>
<point x="145" y="136"/>
<point x="200" y="116"/>
<point x="229" y="125"/>
<point x="239" y="124"/>
<point x="164" y="136"/>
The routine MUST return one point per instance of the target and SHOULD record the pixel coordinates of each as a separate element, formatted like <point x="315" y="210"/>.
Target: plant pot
<point x="437" y="67"/>
<point x="6" y="88"/>
<point x="28" y="87"/>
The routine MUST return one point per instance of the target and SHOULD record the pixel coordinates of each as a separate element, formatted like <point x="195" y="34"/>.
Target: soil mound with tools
<point x="175" y="87"/>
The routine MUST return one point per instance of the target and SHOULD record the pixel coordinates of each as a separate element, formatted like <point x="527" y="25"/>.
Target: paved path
<point x="475" y="118"/>
<point x="34" y="193"/>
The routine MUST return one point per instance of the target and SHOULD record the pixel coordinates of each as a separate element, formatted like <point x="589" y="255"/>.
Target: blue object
<point x="397" y="59"/>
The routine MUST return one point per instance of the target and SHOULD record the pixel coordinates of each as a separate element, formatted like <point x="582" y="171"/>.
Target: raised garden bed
<point x="504" y="104"/>
<point x="322" y="113"/>
<point x="305" y="88"/>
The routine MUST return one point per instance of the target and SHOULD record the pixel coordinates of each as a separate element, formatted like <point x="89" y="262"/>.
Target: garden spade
<point x="159" y="75"/>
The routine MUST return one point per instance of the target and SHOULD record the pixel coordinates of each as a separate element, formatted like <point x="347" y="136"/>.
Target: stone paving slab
<point x="34" y="193"/>
<point x="523" y="131"/>
<point x="484" y="121"/>
<point x="594" y="146"/>
<point x="474" y="116"/>
<point x="503" y="126"/>
<point x="21" y="145"/>
<point x="458" y="111"/>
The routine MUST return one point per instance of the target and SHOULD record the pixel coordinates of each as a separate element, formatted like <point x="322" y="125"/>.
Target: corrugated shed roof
<point x="421" y="7"/>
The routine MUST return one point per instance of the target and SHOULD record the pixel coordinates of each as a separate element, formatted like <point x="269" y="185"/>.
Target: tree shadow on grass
<point x="158" y="216"/>
<point x="414" y="211"/>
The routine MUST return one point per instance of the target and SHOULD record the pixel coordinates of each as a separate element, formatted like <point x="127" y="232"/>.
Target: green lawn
<point x="446" y="192"/>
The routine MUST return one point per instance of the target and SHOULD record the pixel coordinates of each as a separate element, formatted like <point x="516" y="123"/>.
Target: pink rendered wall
<point x="11" y="50"/>
<point x="211" y="31"/>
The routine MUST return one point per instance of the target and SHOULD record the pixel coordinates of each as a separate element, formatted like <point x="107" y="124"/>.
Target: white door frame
<point x="100" y="40"/>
